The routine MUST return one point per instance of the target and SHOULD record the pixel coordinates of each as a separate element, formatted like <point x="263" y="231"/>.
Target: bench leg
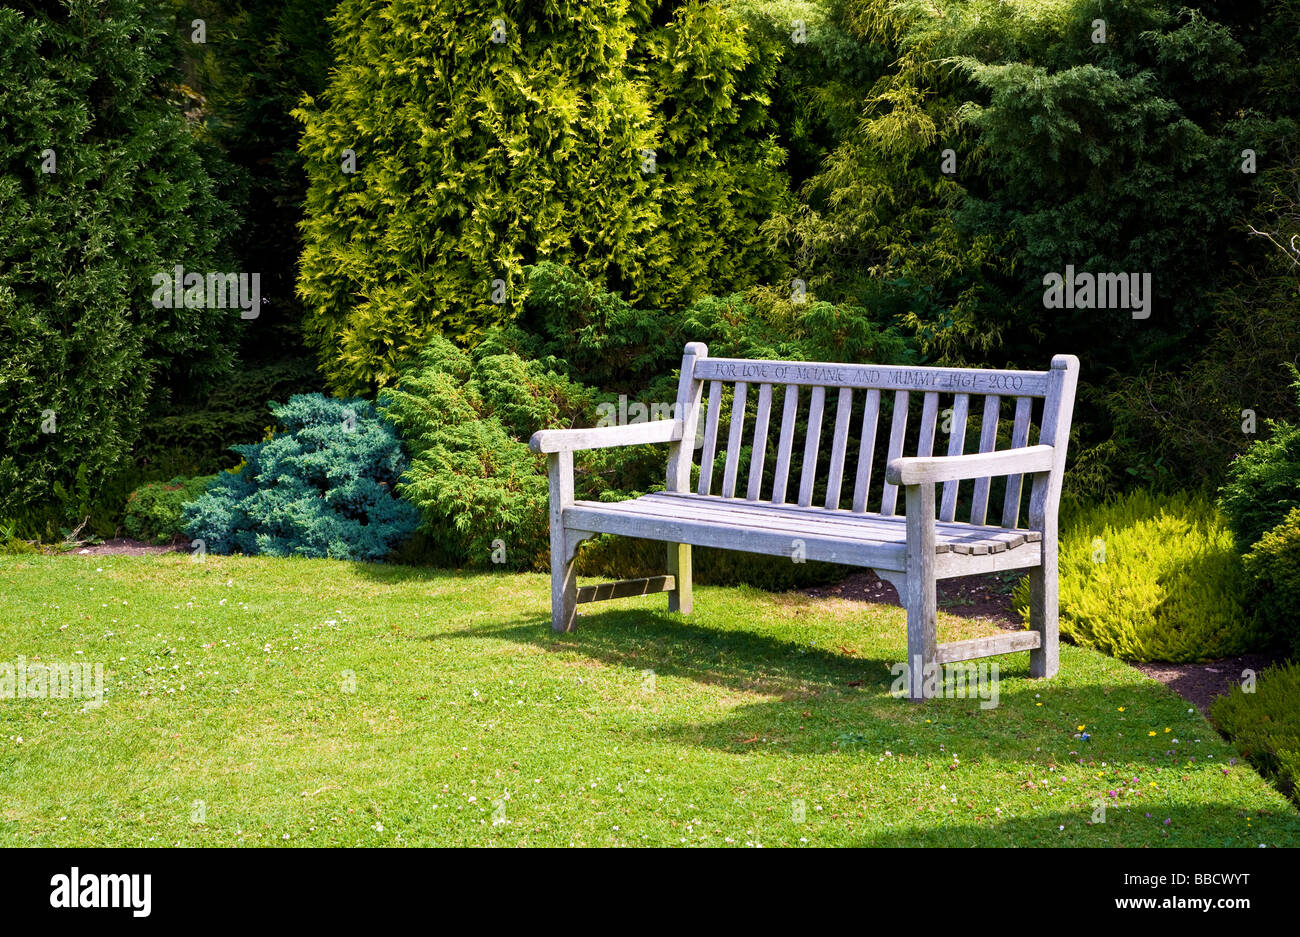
<point x="679" y="567"/>
<point x="1044" y="660"/>
<point x="920" y="599"/>
<point x="564" y="578"/>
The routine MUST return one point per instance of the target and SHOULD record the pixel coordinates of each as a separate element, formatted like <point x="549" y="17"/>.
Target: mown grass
<point x="471" y="724"/>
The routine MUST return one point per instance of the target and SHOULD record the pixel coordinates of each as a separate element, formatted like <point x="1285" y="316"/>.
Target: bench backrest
<point x="733" y="456"/>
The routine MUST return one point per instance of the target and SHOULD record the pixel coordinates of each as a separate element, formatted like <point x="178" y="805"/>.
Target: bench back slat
<point x="839" y="444"/>
<point x="760" y="441"/>
<point x="785" y="445"/>
<point x="812" y="443"/>
<point x="889" y="497"/>
<point x="956" y="443"/>
<point x="711" y="414"/>
<point x="866" y="451"/>
<point x="988" y="439"/>
<point x="825" y="462"/>
<point x="734" y="435"/>
<point x="1019" y="437"/>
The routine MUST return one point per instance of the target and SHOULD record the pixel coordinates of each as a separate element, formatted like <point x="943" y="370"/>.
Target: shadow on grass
<point x="1199" y="825"/>
<point x="823" y="701"/>
<point x="671" y="646"/>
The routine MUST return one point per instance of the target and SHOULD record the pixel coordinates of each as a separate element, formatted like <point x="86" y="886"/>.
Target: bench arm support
<point x="603" y="437"/>
<point x="920" y="470"/>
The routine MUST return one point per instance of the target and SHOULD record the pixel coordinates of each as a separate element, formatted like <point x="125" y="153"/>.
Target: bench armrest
<point x="603" y="437"/>
<point x="919" y="470"/>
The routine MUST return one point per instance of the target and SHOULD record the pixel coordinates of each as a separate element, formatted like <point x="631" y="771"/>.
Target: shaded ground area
<point x="989" y="597"/>
<point x="125" y="546"/>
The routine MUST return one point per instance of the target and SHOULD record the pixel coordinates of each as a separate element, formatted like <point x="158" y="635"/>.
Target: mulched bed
<point x="125" y="546"/>
<point x="989" y="597"/>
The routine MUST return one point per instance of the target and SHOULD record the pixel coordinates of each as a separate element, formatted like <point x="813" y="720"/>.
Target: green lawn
<point x="470" y="723"/>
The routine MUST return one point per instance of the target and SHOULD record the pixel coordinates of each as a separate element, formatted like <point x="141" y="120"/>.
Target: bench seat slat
<point x="946" y="532"/>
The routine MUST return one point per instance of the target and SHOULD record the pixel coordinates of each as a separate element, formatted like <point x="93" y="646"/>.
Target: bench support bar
<point x="625" y="588"/>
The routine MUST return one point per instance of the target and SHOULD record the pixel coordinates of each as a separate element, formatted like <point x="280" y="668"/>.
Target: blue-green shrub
<point x="322" y="487"/>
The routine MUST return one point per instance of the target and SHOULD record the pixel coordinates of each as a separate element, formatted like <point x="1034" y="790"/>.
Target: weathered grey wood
<point x="602" y="437"/>
<point x="815" y="544"/>
<point x="912" y="551"/>
<point x="975" y="648"/>
<point x="988" y="442"/>
<point x="873" y="525"/>
<point x="713" y="411"/>
<point x="884" y="377"/>
<point x="734" y="436"/>
<point x="920" y="601"/>
<point x="1019" y="439"/>
<point x="686" y="409"/>
<point x="929" y="417"/>
<point x="760" y="441"/>
<point x="680" y="454"/>
<point x="956" y="443"/>
<point x="939" y="468"/>
<point x="564" y="578"/>
<point x="811" y="445"/>
<point x="625" y="588"/>
<point x="897" y="430"/>
<point x="866" y="451"/>
<point x="786" y="444"/>
<point x="680" y="598"/>
<point x="839" y="443"/>
<point x="1044" y="502"/>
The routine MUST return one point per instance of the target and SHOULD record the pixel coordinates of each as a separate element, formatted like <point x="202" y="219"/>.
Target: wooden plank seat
<point x="824" y="500"/>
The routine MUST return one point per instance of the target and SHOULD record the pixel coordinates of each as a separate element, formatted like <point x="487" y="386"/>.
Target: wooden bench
<point x="810" y="520"/>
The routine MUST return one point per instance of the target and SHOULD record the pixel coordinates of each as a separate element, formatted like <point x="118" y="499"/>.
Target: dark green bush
<point x="1263" y="483"/>
<point x="1152" y="577"/>
<point x="323" y="486"/>
<point x="1273" y="565"/>
<point x="155" y="511"/>
<point x="82" y="348"/>
<point x="467" y="415"/>
<point x="1265" y="725"/>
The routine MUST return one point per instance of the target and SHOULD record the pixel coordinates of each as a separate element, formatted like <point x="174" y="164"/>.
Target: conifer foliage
<point x="459" y="142"/>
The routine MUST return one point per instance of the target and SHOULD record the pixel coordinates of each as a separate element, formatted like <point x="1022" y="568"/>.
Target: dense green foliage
<point x="1152" y="577"/>
<point x="86" y="93"/>
<point x="629" y="140"/>
<point x="467" y="415"/>
<point x="322" y="487"/>
<point x="1263" y="483"/>
<point x="155" y="511"/>
<point x="1119" y="156"/>
<point x="1273" y="565"/>
<point x="1264" y="725"/>
<point x="466" y="419"/>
